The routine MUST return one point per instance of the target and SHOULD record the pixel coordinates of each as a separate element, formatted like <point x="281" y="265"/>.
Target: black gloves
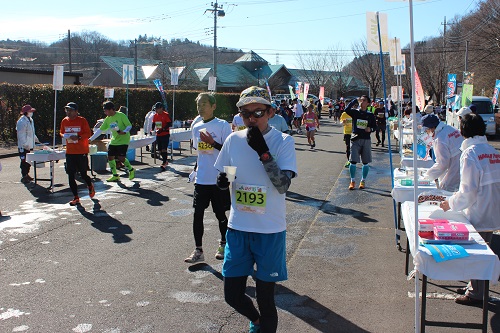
<point x="256" y="140"/>
<point x="222" y="181"/>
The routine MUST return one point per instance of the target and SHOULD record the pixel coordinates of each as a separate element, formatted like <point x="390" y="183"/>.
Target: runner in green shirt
<point x="120" y="127"/>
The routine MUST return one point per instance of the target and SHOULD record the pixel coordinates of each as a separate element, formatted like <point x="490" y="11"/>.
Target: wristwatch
<point x="265" y="157"/>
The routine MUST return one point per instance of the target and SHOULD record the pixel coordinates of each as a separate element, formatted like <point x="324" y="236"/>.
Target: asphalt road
<point x="115" y="264"/>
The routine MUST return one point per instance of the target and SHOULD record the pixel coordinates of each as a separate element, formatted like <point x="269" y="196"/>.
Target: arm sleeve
<point x="348" y="109"/>
<point x="127" y="129"/>
<point x="95" y="135"/>
<point x="281" y="179"/>
<point x="443" y="158"/>
<point x="469" y="185"/>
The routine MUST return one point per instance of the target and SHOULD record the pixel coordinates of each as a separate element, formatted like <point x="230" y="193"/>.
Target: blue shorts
<point x="266" y="251"/>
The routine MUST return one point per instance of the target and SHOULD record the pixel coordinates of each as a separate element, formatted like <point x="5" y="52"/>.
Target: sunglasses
<point x="255" y="114"/>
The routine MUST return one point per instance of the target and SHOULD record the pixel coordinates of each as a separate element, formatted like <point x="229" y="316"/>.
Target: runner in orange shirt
<point x="75" y="129"/>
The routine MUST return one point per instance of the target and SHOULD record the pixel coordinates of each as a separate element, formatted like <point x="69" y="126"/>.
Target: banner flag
<point x="212" y="81"/>
<point x="452" y="85"/>
<point x="419" y="92"/>
<point x="306" y="91"/>
<point x="268" y="89"/>
<point x="467" y="94"/>
<point x="395" y="55"/>
<point x="401" y="69"/>
<point x="159" y="86"/>
<point x="494" y="100"/>
<point x="321" y="94"/>
<point x="128" y="74"/>
<point x="468" y="78"/>
<point x="292" y="95"/>
<point x="175" y="72"/>
<point x="394" y="93"/>
<point x="372" y="42"/>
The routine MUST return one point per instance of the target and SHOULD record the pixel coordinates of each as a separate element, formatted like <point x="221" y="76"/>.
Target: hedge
<point x="89" y="100"/>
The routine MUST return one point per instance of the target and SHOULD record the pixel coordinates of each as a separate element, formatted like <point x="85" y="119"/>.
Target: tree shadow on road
<point x="103" y="222"/>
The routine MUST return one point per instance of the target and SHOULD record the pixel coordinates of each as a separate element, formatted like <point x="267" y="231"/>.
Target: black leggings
<point x="234" y="294"/>
<point x="198" y="228"/>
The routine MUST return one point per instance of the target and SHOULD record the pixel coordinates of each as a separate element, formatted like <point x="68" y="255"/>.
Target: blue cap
<point x="430" y="121"/>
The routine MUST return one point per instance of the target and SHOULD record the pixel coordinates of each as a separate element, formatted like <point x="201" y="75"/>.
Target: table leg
<point x="407" y="261"/>
<point x="34" y="171"/>
<point x="486" y="297"/>
<point x="424" y="303"/>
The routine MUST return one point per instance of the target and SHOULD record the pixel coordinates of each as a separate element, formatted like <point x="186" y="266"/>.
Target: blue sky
<point x="272" y="28"/>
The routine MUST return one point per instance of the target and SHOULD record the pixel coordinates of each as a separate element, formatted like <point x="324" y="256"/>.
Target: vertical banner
<point x="468" y="78"/>
<point x="57" y="79"/>
<point x="159" y="86"/>
<point x="298" y="87"/>
<point x="452" y="85"/>
<point x="372" y="43"/>
<point x="467" y="94"/>
<point x="109" y="92"/>
<point x="494" y="100"/>
<point x="419" y="92"/>
<point x="128" y="74"/>
<point x="268" y="89"/>
<point x="306" y="91"/>
<point x="401" y="69"/>
<point x="292" y="95"/>
<point x="395" y="55"/>
<point x="395" y="95"/>
<point x="211" y="83"/>
<point x="321" y="94"/>
<point x="175" y="72"/>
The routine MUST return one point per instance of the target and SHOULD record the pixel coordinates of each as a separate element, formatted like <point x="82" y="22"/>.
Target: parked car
<point x="484" y="108"/>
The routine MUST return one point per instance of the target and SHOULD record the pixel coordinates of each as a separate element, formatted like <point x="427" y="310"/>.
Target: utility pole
<point x="445" y="79"/>
<point x="135" y="61"/>
<point x="466" y="54"/>
<point x="69" y="48"/>
<point x="217" y="11"/>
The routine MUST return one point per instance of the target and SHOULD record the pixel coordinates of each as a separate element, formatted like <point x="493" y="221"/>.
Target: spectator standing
<point x="363" y="123"/>
<point x="338" y="108"/>
<point x="478" y="192"/>
<point x="120" y="127"/>
<point x="76" y="131"/>
<point x="266" y="163"/>
<point x="208" y="138"/>
<point x="162" y="123"/>
<point x="237" y="123"/>
<point x="26" y="139"/>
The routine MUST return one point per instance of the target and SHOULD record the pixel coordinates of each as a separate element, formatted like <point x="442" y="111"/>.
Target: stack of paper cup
<point x="230" y="172"/>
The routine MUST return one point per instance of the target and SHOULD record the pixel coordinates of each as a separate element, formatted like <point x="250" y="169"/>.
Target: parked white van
<point x="484" y="108"/>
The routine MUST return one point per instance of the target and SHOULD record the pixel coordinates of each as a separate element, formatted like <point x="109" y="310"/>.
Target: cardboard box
<point x="101" y="145"/>
<point x="451" y="231"/>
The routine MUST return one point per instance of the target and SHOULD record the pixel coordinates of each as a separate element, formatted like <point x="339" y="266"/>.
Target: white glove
<point x="192" y="176"/>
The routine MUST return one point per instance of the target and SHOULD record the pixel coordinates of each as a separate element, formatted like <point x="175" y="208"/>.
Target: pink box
<point x="426" y="227"/>
<point x="457" y="231"/>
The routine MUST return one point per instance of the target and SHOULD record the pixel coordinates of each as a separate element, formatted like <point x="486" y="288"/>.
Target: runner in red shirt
<point x="75" y="129"/>
<point x="161" y="124"/>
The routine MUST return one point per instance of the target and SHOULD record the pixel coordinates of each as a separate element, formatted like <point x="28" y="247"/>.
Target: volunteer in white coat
<point x="446" y="145"/>
<point x="479" y="191"/>
<point x="26" y="139"/>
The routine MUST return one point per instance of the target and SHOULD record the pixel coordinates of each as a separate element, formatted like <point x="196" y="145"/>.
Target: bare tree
<point x="366" y="66"/>
<point x="315" y="69"/>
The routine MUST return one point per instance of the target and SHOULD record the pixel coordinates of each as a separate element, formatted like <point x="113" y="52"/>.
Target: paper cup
<point x="203" y="130"/>
<point x="230" y="172"/>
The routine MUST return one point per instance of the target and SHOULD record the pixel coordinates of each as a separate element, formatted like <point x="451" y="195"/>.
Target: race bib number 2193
<point x="251" y="198"/>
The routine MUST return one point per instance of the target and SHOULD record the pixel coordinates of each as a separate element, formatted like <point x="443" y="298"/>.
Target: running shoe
<point x="131" y="174"/>
<point x="362" y="184"/>
<point x="75" y="201"/>
<point x="351" y="185"/>
<point x="314" y="144"/>
<point x="113" y="178"/>
<point x="196" y="256"/>
<point x="91" y="191"/>
<point x="254" y="328"/>
<point x="164" y="166"/>
<point x="219" y="255"/>
<point x="347" y="164"/>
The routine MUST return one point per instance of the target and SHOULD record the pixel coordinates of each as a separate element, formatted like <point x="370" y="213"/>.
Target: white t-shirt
<point x="238" y="123"/>
<point x="206" y="173"/>
<point x="298" y="110"/>
<point x="256" y="205"/>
